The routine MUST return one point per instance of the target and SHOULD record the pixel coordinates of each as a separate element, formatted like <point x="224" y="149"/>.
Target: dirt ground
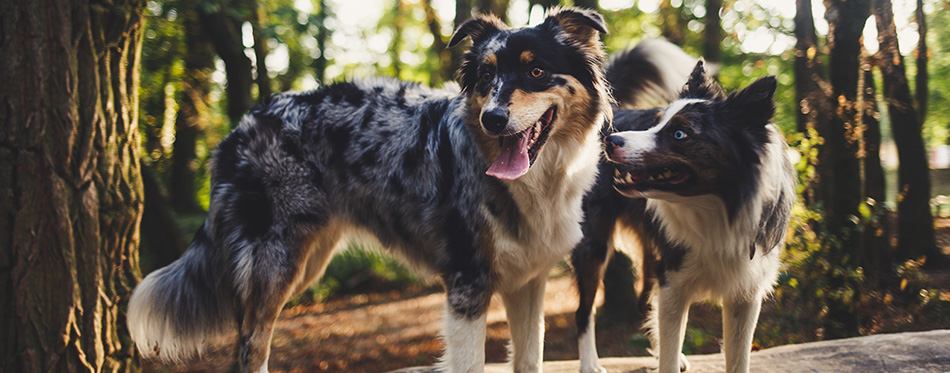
<point x="380" y="332"/>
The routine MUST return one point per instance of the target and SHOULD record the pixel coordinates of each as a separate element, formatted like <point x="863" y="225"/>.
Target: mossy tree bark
<point x="915" y="231"/>
<point x="70" y="183"/>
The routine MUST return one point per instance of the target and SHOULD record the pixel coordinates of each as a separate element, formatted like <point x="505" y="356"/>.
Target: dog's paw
<point x="684" y="365"/>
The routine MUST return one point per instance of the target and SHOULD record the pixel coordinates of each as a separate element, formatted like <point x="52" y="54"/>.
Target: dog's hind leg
<point x="671" y="313"/>
<point x="588" y="260"/>
<point x="525" y="310"/>
<point x="278" y="270"/>
<point x="739" y="317"/>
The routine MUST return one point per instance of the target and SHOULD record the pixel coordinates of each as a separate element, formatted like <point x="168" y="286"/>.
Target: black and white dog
<point x="705" y="191"/>
<point x="483" y="187"/>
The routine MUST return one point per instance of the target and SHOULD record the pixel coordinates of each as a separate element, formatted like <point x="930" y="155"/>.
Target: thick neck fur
<point x="702" y="223"/>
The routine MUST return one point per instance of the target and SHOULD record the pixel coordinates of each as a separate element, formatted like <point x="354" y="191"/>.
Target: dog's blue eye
<point x="679" y="135"/>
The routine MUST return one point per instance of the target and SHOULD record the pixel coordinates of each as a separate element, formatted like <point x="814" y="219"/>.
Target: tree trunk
<point x="70" y="184"/>
<point x="439" y="49"/>
<point x="320" y="63"/>
<point x="839" y="167"/>
<point x="395" y="47"/>
<point x="839" y="189"/>
<point x="712" y="33"/>
<point x="162" y="241"/>
<point x="874" y="184"/>
<point x="193" y="111"/>
<point x="811" y="91"/>
<point x="463" y="11"/>
<point x="225" y="33"/>
<point x="915" y="231"/>
<point x="259" y="22"/>
<point x="671" y="22"/>
<point x="877" y="258"/>
<point x="923" y="76"/>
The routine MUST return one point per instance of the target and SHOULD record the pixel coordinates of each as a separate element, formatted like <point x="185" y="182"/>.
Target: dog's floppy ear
<point x="583" y="25"/>
<point x="701" y="86"/>
<point x="753" y="105"/>
<point x="478" y="29"/>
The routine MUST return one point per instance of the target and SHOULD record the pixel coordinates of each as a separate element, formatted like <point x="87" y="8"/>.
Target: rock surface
<point x="902" y="352"/>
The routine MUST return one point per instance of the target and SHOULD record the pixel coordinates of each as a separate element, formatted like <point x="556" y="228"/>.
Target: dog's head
<point x="529" y="86"/>
<point x="703" y="143"/>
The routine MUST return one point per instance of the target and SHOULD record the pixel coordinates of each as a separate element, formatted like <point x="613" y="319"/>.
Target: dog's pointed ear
<point x="701" y="86"/>
<point x="753" y="106"/>
<point x="478" y="28"/>
<point x="583" y="25"/>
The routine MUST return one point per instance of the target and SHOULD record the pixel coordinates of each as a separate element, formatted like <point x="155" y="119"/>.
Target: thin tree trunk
<point x="320" y="63"/>
<point x="225" y="34"/>
<point x="874" y="184"/>
<point x="811" y="91"/>
<point x="671" y="26"/>
<point x="162" y="241"/>
<point x="839" y="169"/>
<point x="395" y="47"/>
<point x="70" y="184"/>
<point x="463" y="11"/>
<point x="923" y="76"/>
<point x="259" y="22"/>
<point x="876" y="258"/>
<point x="712" y="33"/>
<point x="915" y="231"/>
<point x="840" y="184"/>
<point x="439" y="48"/>
<point x="193" y="111"/>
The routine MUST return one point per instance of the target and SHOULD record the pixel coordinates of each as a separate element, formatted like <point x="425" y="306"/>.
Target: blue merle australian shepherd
<point x="482" y="187"/>
<point x="704" y="188"/>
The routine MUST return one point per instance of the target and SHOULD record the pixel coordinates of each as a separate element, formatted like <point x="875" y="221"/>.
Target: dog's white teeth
<point x="628" y="178"/>
<point x="616" y="173"/>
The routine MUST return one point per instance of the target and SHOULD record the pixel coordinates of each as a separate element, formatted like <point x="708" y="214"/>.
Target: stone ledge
<point x="901" y="352"/>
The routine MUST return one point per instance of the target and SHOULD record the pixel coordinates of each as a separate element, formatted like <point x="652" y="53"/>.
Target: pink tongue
<point x="513" y="161"/>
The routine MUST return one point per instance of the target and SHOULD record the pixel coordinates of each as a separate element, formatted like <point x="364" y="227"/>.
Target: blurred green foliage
<point x="358" y="270"/>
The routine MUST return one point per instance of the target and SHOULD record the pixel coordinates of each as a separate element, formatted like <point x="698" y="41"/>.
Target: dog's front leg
<point x="525" y="310"/>
<point x="739" y="317"/>
<point x="672" y="312"/>
<point x="468" y="294"/>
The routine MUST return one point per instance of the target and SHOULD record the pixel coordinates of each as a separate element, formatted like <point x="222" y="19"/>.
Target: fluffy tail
<point x="175" y="309"/>
<point x="651" y="74"/>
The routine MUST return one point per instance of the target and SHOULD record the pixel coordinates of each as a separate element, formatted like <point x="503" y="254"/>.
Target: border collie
<point x="482" y="187"/>
<point x="706" y="188"/>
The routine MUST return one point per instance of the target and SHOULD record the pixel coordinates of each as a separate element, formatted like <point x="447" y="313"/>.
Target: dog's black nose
<point x="612" y="142"/>
<point x="495" y="120"/>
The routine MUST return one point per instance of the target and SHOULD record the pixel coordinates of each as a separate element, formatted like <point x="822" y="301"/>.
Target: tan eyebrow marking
<point x="527" y="57"/>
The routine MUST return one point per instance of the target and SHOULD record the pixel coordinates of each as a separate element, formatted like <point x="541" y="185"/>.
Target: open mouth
<point x="518" y="151"/>
<point x="636" y="180"/>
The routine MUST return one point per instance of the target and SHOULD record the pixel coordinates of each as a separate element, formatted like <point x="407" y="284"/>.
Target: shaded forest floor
<point x="378" y="332"/>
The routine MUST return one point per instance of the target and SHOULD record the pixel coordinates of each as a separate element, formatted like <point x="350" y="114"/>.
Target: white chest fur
<point x="549" y="200"/>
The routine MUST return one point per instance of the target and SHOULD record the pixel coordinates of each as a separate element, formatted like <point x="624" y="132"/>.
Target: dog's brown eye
<point x="486" y="77"/>
<point x="537" y="72"/>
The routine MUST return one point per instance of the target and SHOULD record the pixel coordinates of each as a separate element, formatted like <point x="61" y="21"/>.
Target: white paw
<point x="684" y="365"/>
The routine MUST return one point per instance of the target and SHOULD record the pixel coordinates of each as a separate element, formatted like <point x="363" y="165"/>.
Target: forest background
<point x="148" y="88"/>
